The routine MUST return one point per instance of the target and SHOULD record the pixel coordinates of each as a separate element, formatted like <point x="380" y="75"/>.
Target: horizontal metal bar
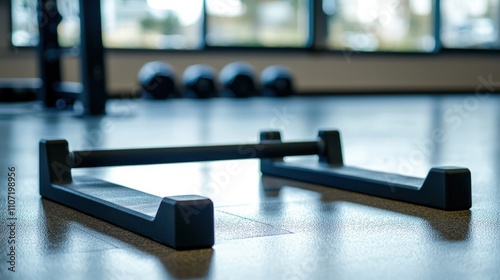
<point x="70" y="90"/>
<point x="57" y="53"/>
<point x="191" y="154"/>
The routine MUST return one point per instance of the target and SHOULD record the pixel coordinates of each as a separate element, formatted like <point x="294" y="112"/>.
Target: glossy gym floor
<point x="265" y="227"/>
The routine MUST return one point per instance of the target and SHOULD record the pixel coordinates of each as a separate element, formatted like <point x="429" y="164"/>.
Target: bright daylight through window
<point x="361" y="25"/>
<point x="381" y="25"/>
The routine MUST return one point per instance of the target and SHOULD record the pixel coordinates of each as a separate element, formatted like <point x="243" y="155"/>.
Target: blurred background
<point x="334" y="44"/>
<point x="366" y="25"/>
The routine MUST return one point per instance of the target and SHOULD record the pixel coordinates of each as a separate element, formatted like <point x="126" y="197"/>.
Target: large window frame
<point x="316" y="43"/>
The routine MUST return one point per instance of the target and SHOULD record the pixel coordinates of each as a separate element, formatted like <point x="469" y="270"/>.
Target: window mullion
<point x="437" y="25"/>
<point x="318" y="25"/>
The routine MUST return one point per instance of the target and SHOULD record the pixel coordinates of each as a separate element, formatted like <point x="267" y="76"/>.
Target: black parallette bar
<point x="447" y="188"/>
<point x="190" y="154"/>
<point x="181" y="222"/>
<point x="187" y="222"/>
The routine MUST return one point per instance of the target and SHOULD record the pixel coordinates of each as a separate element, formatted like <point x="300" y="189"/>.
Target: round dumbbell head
<point x="199" y="81"/>
<point x="157" y="80"/>
<point x="277" y="80"/>
<point x="238" y="79"/>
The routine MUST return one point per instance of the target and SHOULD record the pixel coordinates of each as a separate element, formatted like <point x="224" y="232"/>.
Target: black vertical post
<point x="49" y="65"/>
<point x="204" y="26"/>
<point x="437" y="25"/>
<point x="92" y="58"/>
<point x="318" y="22"/>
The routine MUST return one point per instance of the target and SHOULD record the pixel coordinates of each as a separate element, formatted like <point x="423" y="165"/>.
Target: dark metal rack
<point x="92" y="88"/>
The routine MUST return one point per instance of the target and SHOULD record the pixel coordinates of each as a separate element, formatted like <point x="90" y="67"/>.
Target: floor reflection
<point x="448" y="226"/>
<point x="73" y="233"/>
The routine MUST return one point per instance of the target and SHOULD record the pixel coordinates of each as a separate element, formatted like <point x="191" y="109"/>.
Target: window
<point x="25" y="25"/>
<point x="152" y="24"/>
<point x="172" y="24"/>
<point x="381" y="25"/>
<point x="360" y="25"/>
<point x="281" y="23"/>
<point x="471" y="24"/>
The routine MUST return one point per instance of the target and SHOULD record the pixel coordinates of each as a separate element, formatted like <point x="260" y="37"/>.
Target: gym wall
<point x="315" y="72"/>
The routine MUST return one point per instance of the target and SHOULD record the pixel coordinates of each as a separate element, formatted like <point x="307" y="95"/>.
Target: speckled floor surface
<point x="266" y="228"/>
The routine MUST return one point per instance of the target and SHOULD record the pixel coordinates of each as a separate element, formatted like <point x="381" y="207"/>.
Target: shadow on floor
<point x="447" y="225"/>
<point x="61" y="223"/>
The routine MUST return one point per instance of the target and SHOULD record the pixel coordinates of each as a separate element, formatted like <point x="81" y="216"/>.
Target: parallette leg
<point x="181" y="222"/>
<point x="447" y="188"/>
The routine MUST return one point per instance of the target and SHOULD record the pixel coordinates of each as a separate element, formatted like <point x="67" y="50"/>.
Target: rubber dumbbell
<point x="199" y="81"/>
<point x="157" y="80"/>
<point x="238" y="80"/>
<point x="277" y="80"/>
